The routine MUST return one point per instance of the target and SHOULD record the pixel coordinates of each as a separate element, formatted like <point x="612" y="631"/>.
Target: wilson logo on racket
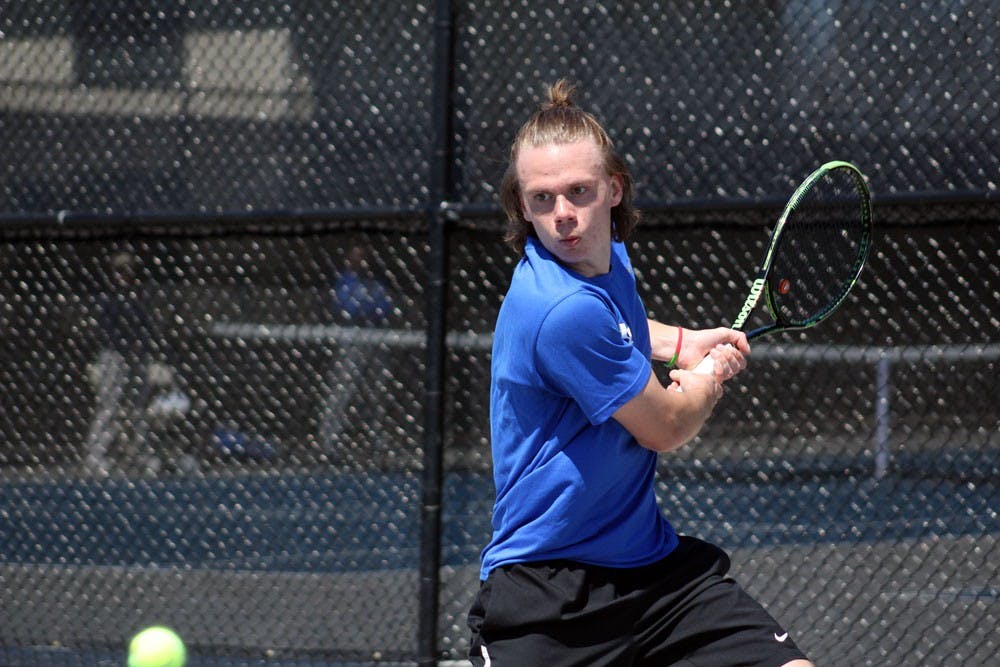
<point x="755" y="289"/>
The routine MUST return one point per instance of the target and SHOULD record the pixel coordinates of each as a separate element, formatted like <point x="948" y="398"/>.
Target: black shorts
<point x="682" y="610"/>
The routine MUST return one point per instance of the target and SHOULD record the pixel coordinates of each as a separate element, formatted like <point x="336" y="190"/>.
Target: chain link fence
<point x="217" y="321"/>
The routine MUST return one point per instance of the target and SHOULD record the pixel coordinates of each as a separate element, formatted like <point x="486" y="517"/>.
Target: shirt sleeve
<point x="585" y="351"/>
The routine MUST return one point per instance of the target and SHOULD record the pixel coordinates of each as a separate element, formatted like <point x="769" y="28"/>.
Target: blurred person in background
<point x="134" y="388"/>
<point x="359" y="300"/>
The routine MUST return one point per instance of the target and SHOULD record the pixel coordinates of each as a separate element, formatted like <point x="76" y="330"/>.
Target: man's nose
<point x="563" y="208"/>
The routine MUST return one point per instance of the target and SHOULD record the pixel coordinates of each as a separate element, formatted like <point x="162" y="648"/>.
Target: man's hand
<point x="688" y="381"/>
<point x="726" y="348"/>
<point x="727" y="361"/>
<point x="700" y="343"/>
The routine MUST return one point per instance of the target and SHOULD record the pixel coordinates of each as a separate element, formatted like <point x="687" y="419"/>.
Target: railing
<point x="883" y="358"/>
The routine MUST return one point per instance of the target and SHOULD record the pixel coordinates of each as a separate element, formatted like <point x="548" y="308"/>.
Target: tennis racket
<point x="817" y="250"/>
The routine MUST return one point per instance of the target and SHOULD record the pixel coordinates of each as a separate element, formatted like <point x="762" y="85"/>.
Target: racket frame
<point x="761" y="285"/>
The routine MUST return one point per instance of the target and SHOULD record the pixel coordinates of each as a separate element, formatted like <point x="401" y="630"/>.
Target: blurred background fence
<point x="250" y="260"/>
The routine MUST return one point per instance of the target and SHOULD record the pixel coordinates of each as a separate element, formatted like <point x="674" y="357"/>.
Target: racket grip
<point x="705" y="367"/>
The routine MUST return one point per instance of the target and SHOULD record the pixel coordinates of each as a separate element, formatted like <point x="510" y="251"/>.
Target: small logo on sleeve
<point x="625" y="332"/>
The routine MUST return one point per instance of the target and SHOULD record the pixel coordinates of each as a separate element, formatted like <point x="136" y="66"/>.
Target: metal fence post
<point x="440" y="191"/>
<point x="883" y="390"/>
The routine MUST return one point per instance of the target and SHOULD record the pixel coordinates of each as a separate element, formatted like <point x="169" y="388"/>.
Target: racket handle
<point x="705" y="367"/>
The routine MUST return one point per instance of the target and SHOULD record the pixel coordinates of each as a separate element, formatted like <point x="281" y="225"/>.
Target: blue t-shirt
<point x="571" y="482"/>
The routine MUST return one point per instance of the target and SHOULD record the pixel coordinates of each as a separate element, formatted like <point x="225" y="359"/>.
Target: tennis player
<point x="583" y="568"/>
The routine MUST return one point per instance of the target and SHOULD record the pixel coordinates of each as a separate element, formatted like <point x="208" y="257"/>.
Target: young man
<point x="583" y="568"/>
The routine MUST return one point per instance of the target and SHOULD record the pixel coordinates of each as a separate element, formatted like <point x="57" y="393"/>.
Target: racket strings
<point x="820" y="249"/>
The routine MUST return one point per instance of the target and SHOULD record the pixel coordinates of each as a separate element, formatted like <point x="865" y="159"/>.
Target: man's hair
<point x="561" y="121"/>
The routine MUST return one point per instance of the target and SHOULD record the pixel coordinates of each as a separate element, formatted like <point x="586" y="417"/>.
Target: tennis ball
<point x="156" y="647"/>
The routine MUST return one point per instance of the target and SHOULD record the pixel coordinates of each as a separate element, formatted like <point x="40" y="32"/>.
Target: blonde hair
<point x="561" y="121"/>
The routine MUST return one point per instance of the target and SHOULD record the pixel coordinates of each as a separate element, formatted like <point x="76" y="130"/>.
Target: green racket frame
<point x="761" y="285"/>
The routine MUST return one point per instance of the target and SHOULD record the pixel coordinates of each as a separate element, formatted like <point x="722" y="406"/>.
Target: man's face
<point x="567" y="196"/>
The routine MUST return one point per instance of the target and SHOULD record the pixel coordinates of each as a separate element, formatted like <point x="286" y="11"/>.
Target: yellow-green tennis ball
<point x="156" y="647"/>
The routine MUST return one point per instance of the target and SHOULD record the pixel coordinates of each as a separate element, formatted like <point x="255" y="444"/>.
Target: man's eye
<point x="579" y="190"/>
<point x="542" y="197"/>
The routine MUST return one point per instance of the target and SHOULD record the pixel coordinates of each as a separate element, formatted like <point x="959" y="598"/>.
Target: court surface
<point x="300" y="566"/>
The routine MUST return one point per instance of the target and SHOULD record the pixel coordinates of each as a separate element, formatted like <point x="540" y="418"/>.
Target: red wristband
<point x="677" y="350"/>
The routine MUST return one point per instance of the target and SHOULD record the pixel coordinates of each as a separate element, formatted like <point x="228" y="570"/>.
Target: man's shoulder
<point x="540" y="297"/>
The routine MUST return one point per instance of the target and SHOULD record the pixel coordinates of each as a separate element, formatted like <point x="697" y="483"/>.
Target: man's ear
<point x="524" y="208"/>
<point x="617" y="190"/>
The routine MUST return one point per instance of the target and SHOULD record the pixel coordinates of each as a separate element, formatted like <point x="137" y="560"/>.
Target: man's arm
<point x="663" y="419"/>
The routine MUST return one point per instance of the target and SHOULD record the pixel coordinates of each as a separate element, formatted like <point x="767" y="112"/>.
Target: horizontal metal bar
<point x="454" y="211"/>
<point x="376" y="336"/>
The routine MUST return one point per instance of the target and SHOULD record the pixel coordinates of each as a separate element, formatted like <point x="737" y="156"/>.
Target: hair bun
<point x="561" y="94"/>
